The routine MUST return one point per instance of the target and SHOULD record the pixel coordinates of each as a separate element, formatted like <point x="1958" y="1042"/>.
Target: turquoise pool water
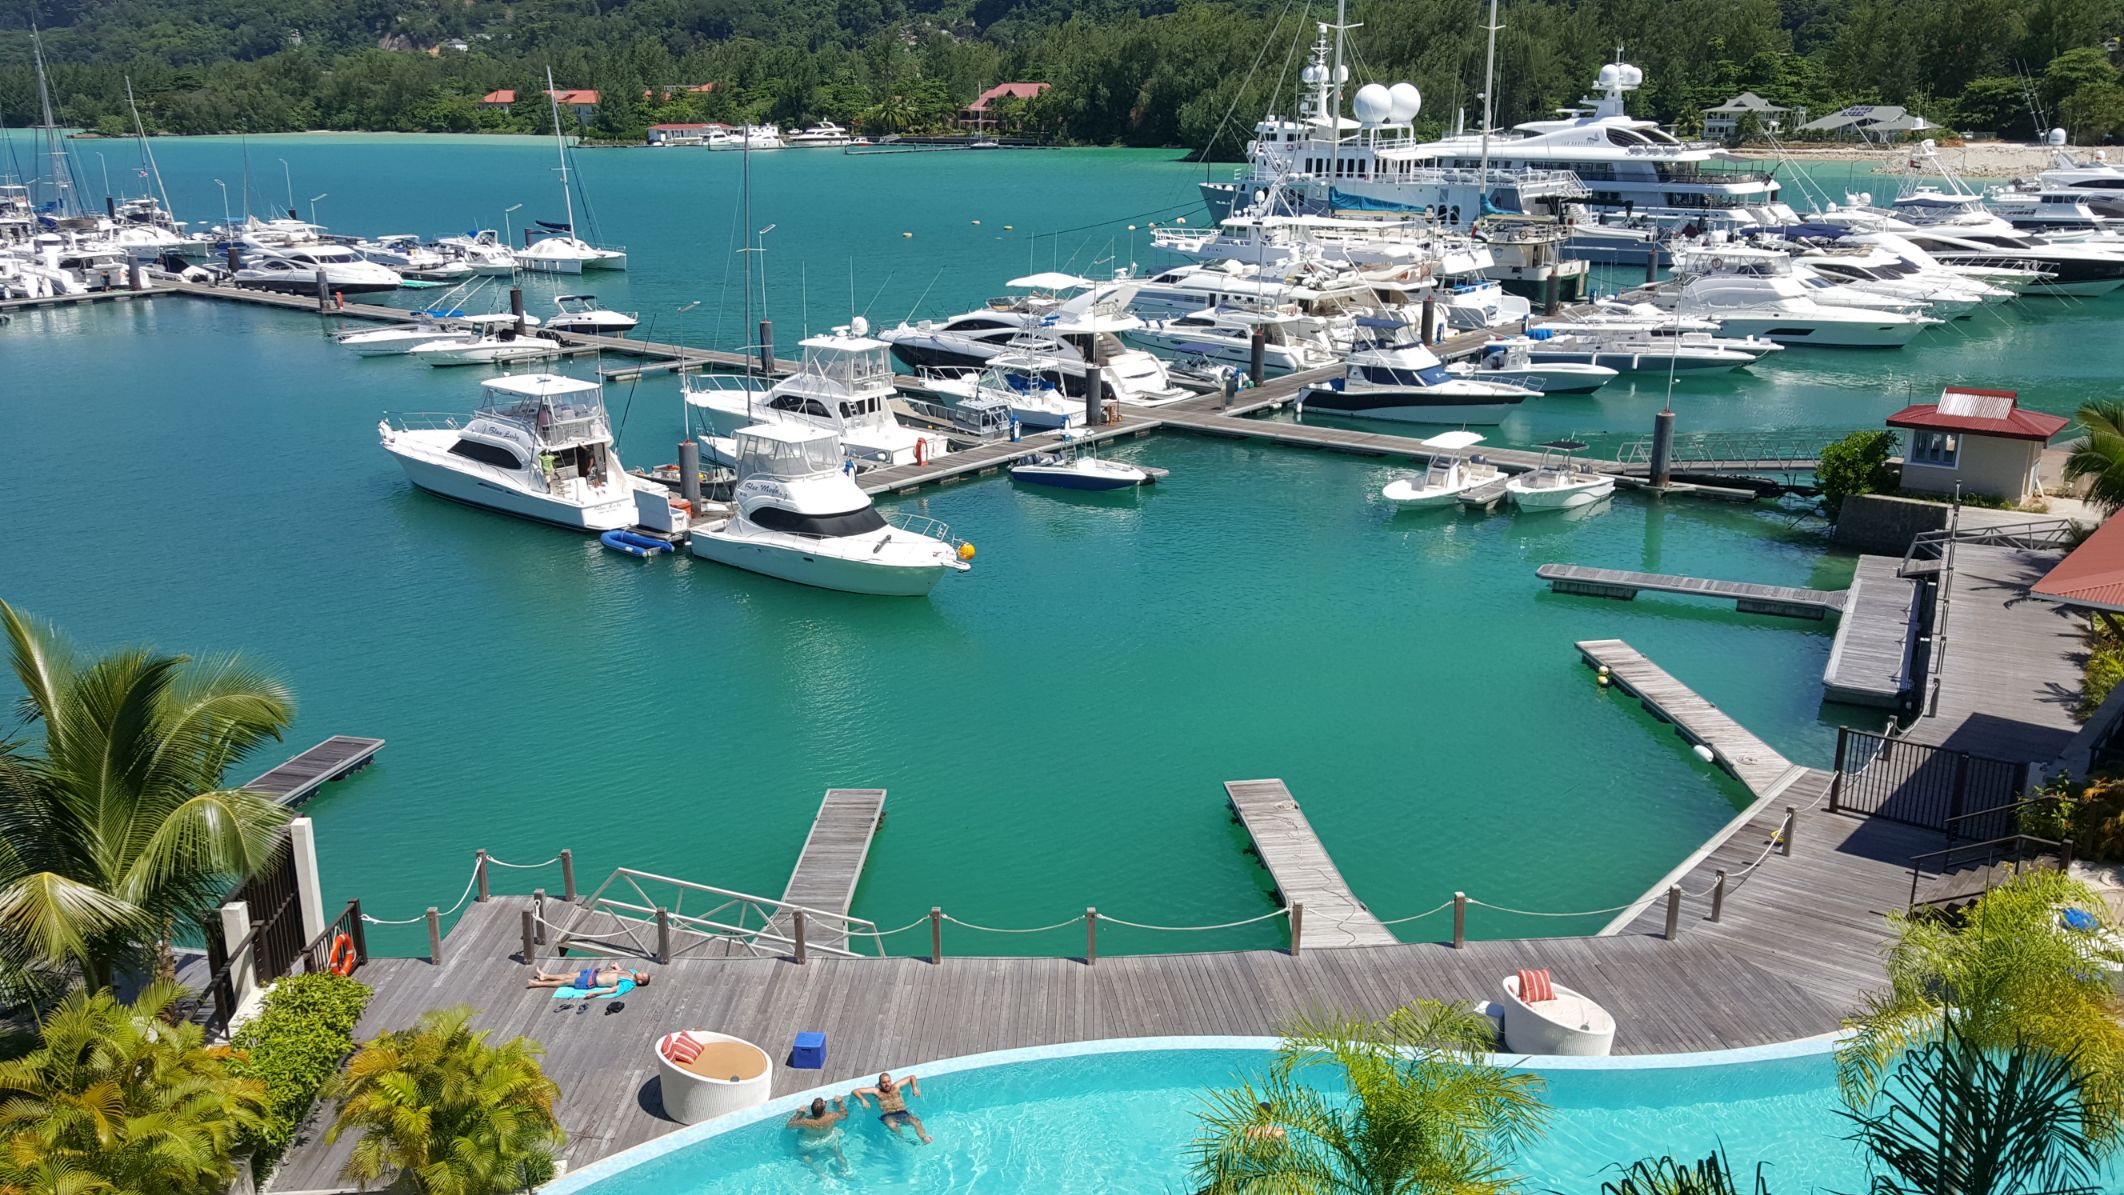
<point x="1121" y="1121"/>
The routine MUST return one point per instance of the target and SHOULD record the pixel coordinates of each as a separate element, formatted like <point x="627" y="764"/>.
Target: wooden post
<point x="530" y="938"/>
<point x="358" y="930"/>
<point x="1550" y="305"/>
<point x="797" y="928"/>
<point x="568" y="875"/>
<point x="767" y="348"/>
<point x="479" y="869"/>
<point x="1257" y="353"/>
<point x="1091" y="936"/>
<point x="1297" y="918"/>
<point x="1652" y="265"/>
<point x="434" y="936"/>
<point x="538" y="909"/>
<point x="1430" y="306"/>
<point x="1791" y="824"/>
<point x="663" y="935"/>
<point x="1460" y="920"/>
<point x="1718" y="896"/>
<point x="1836" y="774"/>
<point x="1673" y="911"/>
<point x="936" y="935"/>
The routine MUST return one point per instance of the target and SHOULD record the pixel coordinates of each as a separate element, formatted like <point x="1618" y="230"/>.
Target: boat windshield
<point x="774" y="457"/>
<point x="556" y="419"/>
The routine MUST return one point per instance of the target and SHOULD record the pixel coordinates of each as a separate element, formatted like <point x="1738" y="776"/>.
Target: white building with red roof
<point x="1981" y="440"/>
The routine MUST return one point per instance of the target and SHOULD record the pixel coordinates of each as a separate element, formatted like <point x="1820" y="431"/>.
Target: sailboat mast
<point x="147" y="152"/>
<point x="745" y="214"/>
<point x="1334" y="112"/>
<point x="1489" y="84"/>
<point x="560" y="146"/>
<point x="61" y="177"/>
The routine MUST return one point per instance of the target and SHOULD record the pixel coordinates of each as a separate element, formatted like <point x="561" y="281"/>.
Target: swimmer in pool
<point x="892" y="1103"/>
<point x="819" y="1135"/>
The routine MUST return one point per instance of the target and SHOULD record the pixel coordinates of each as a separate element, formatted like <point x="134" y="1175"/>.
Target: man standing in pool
<point x="892" y="1104"/>
<point x="818" y="1134"/>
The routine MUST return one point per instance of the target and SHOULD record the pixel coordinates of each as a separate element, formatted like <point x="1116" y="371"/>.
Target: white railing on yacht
<point x="922" y="525"/>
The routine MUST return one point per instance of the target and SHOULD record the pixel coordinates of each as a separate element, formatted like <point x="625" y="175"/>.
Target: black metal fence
<point x="1968" y="797"/>
<point x="276" y="913"/>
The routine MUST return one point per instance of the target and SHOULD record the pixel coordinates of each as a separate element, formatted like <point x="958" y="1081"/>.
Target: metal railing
<point x="1955" y="792"/>
<point x="1770" y="452"/>
<point x="2012" y="852"/>
<point x="2028" y="535"/>
<point x="656" y="924"/>
<point x="317" y="955"/>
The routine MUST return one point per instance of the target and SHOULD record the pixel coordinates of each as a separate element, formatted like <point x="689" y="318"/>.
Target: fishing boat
<point x="1391" y="376"/>
<point x="1069" y="469"/>
<point x="1446" y="477"/>
<point x="580" y="313"/>
<point x="797" y="514"/>
<point x="1510" y="361"/>
<point x="1026" y="378"/>
<point x="1558" y="483"/>
<point x="843" y="384"/>
<point x="539" y="446"/>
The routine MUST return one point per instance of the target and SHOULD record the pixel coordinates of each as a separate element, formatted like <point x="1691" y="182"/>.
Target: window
<point x="1935" y="448"/>
<point x="852" y="522"/>
<point x="486" y="454"/>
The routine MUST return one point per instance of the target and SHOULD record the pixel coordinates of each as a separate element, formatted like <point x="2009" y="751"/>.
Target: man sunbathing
<point x="819" y="1134"/>
<point x="595" y="981"/>
<point x="892" y="1104"/>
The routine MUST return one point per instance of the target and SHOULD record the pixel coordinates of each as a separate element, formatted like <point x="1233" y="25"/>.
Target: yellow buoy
<point x="1603" y="676"/>
<point x="966" y="551"/>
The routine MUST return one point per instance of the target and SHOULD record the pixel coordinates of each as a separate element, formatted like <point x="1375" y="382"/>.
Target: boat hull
<point x="1561" y="497"/>
<point x="1402" y="494"/>
<point x="484" y="354"/>
<point x="1070" y="479"/>
<point x="1647" y="362"/>
<point x="1549" y="377"/>
<point x="1411" y="407"/>
<point x="1854" y="334"/>
<point x="818" y="571"/>
<point x="491" y="494"/>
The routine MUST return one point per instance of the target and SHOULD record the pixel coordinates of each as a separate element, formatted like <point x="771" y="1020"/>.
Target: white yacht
<point x="397" y="339"/>
<point x="494" y="341"/>
<point x="294" y="269"/>
<point x="580" y="313"/>
<point x="1026" y="379"/>
<point x="798" y="515"/>
<point x="483" y="251"/>
<point x="2071" y="197"/>
<point x="843" y="384"/>
<point x="1714" y="263"/>
<point x="1391" y="376"/>
<point x="1089" y="321"/>
<point x="404" y="253"/>
<point x="559" y="250"/>
<point x="753" y="138"/>
<point x="1330" y="296"/>
<point x="1289" y="342"/>
<point x="2075" y="269"/>
<point x="539" y="446"/>
<point x="1511" y="362"/>
<point x="823" y="135"/>
<point x="1752" y="292"/>
<point x="1632" y="350"/>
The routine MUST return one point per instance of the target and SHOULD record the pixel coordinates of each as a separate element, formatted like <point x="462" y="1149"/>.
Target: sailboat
<point x="560" y="251"/>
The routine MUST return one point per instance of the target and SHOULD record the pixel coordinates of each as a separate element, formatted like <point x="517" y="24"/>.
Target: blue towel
<point x="2079" y="919"/>
<point x="620" y="989"/>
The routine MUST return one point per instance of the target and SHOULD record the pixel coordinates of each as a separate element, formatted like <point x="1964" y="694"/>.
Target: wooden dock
<point x="1870" y="661"/>
<point x="1785" y="601"/>
<point x="1748" y="759"/>
<point x="832" y="860"/>
<point x="1300" y="865"/>
<point x="118" y="295"/>
<point x="293" y="782"/>
<point x="2010" y="668"/>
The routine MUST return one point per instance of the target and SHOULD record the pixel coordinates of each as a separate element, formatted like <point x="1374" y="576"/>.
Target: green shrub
<point x="294" y="1046"/>
<point x="2104" y="668"/>
<point x="1854" y="465"/>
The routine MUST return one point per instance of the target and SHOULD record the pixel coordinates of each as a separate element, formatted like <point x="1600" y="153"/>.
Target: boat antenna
<point x="1489" y="84"/>
<point x="560" y="145"/>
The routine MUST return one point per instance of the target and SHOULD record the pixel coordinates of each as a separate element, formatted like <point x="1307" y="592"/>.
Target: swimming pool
<point x="1117" y="1116"/>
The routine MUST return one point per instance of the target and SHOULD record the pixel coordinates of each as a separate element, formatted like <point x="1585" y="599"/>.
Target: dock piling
<point x="434" y="936"/>
<point x="1460" y="920"/>
<point x="1718" y="896"/>
<point x="1297" y="918"/>
<point x="796" y="933"/>
<point x="1550" y="304"/>
<point x="663" y="934"/>
<point x="936" y="935"/>
<point x="1791" y="823"/>
<point x="538" y="910"/>
<point x="1257" y="354"/>
<point x="689" y="462"/>
<point x="567" y="858"/>
<point x="1652" y="265"/>
<point x="1674" y="897"/>
<point x="1430" y="308"/>
<point x="1091" y="936"/>
<point x="516" y="307"/>
<point x="324" y="292"/>
<point x="1094" y="387"/>
<point x="1662" y="449"/>
<point x="767" y="347"/>
<point x="530" y="938"/>
<point x="479" y="871"/>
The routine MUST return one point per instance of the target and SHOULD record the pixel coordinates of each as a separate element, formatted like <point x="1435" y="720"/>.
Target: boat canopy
<point x="1049" y="280"/>
<point x="540" y="385"/>
<point x="1451" y="441"/>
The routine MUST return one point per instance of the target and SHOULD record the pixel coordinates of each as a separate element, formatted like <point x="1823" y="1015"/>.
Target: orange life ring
<point x="343" y="959"/>
<point x="922" y="451"/>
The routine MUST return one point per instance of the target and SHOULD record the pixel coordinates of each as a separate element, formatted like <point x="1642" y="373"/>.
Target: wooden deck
<point x="832" y="860"/>
<point x="2009" y="675"/>
<point x="1787" y="601"/>
<point x="293" y="782"/>
<point x="1748" y="759"/>
<point x="1870" y="661"/>
<point x="1300" y="865"/>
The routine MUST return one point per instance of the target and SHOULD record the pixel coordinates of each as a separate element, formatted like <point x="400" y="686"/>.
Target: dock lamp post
<point x="225" y="221"/>
<point x="508" y="233"/>
<point x="313" y="206"/>
<point x="682" y="321"/>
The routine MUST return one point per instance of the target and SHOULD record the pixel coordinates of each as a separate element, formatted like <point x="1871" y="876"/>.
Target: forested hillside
<point x="1193" y="74"/>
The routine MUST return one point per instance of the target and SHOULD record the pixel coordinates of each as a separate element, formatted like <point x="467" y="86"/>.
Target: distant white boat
<point x="560" y="251"/>
<point x="580" y="313"/>
<point x="821" y="135"/>
<point x="1068" y="469"/>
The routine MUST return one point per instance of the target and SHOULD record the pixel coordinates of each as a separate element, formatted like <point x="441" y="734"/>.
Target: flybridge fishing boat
<point x="1025" y="380"/>
<point x="560" y="251"/>
<point x="539" y="446"/>
<point x="1392" y="376"/>
<point x="844" y="385"/>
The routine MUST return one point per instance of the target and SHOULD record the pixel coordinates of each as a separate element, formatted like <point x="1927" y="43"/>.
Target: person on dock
<point x="819" y="1135"/>
<point x="596" y="981"/>
<point x="892" y="1103"/>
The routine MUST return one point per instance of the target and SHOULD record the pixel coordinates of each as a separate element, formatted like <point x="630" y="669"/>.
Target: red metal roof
<point x="504" y="96"/>
<point x="2092" y="577"/>
<point x="1002" y="91"/>
<point x="570" y="95"/>
<point x="1980" y="413"/>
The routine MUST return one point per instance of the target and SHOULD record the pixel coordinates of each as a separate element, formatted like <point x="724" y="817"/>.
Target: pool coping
<point x="578" y="1181"/>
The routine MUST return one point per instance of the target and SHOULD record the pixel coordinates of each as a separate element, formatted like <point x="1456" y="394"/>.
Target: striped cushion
<point x="682" y="1049"/>
<point x="1534" y="986"/>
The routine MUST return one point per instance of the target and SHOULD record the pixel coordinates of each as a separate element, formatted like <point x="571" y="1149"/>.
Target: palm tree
<point x="118" y="1099"/>
<point x="1420" y="1110"/>
<point x="1667" y="1176"/>
<point x="444" y="1112"/>
<point x="2097" y="457"/>
<point x="120" y="829"/>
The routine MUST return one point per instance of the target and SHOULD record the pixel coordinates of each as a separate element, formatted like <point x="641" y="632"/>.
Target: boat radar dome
<point x="1620" y="76"/>
<point x="859" y="326"/>
<point x="1407" y="102"/>
<point x="1374" y="104"/>
<point x="1314" y="74"/>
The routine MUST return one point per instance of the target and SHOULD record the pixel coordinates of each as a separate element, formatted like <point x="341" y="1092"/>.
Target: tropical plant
<point x="2008" y="977"/>
<point x="2097" y="457"/>
<point x="1854" y="465"/>
<point x="294" y="1046"/>
<point x="1713" y="1175"/>
<point x="444" y="1113"/>
<point x="1411" y="1105"/>
<point x="120" y="829"/>
<point x="1964" y="1115"/>
<point x="119" y="1099"/>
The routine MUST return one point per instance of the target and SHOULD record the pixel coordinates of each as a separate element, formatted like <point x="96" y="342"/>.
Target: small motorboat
<point x="496" y="342"/>
<point x="1070" y="470"/>
<point x="1558" y="483"/>
<point x="580" y="313"/>
<point x="1509" y="362"/>
<point x="1447" y="477"/>
<point x="398" y="338"/>
<point x="634" y="543"/>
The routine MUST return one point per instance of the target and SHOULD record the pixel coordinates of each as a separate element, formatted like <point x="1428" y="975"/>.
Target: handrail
<point x="1970" y="846"/>
<point x="2014" y="845"/>
<point x="2051" y="798"/>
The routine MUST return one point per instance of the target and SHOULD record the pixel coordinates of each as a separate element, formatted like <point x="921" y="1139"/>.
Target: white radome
<point x="1407" y="102"/>
<point x="1374" y="103"/>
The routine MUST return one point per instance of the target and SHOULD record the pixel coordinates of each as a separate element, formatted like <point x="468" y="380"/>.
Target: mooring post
<point x="324" y="292"/>
<point x="1091" y="936"/>
<point x="767" y="348"/>
<point x="1718" y="896"/>
<point x="516" y="303"/>
<point x="538" y="912"/>
<point x="689" y="452"/>
<point x="479" y="872"/>
<point x="797" y="932"/>
<point x="434" y="936"/>
<point x="138" y="277"/>
<point x="663" y="935"/>
<point x="1673" y="910"/>
<point x="530" y="938"/>
<point x="1297" y="926"/>
<point x="1652" y="265"/>
<point x="1460" y="920"/>
<point x="1430" y="306"/>
<point x="568" y="875"/>
<point x="1257" y="354"/>
<point x="234" y="259"/>
<point x="936" y="935"/>
<point x="1550" y="303"/>
<point x="1094" y="387"/>
<point x="1662" y="449"/>
<point x="1791" y="824"/>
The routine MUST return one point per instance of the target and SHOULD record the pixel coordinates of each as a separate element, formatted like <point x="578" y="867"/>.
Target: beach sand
<point x="1981" y="159"/>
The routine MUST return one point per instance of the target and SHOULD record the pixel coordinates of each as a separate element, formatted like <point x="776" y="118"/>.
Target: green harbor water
<point x="1054" y="726"/>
